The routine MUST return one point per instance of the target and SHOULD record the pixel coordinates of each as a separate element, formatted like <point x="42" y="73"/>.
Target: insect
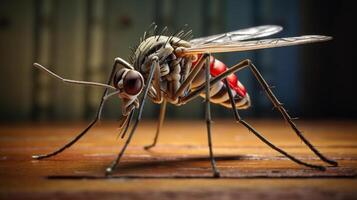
<point x="174" y="69"/>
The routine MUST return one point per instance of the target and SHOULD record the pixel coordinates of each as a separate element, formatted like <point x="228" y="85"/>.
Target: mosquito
<point x="173" y="68"/>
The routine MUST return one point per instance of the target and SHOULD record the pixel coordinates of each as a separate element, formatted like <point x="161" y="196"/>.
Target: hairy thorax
<point x="173" y="67"/>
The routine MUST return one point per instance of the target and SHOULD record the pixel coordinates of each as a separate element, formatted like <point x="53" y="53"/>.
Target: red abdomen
<point x="219" y="93"/>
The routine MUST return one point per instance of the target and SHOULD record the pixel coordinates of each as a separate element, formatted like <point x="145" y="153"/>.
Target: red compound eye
<point x="133" y="83"/>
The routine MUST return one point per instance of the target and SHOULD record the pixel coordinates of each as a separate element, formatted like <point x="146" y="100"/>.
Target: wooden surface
<point x="178" y="168"/>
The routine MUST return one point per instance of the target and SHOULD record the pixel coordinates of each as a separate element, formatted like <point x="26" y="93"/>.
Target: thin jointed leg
<point x="239" y="119"/>
<point x="208" y="118"/>
<point x="196" y="69"/>
<point x="156" y="84"/>
<point x="193" y="94"/>
<point x="273" y="99"/>
<point x="124" y="128"/>
<point x="192" y="75"/>
<point x="142" y="103"/>
<point x="285" y="114"/>
<point x="159" y="125"/>
<point x="75" y="139"/>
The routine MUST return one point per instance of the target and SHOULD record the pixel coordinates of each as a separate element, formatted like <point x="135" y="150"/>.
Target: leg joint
<point x="117" y="59"/>
<point x="121" y="61"/>
<point x="249" y="62"/>
<point x="239" y="120"/>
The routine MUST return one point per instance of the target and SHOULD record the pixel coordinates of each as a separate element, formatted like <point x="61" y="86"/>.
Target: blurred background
<point x="79" y="40"/>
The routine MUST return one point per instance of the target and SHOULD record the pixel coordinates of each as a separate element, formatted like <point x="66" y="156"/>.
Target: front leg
<point x="113" y="165"/>
<point x="157" y="96"/>
<point x="117" y="62"/>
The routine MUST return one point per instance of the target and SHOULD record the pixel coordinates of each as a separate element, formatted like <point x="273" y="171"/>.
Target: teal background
<point x="79" y="40"/>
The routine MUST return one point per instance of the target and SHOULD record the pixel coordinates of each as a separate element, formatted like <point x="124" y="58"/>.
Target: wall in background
<point x="80" y="39"/>
<point x="16" y="50"/>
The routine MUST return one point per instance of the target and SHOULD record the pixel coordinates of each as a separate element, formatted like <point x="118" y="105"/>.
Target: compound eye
<point x="133" y="83"/>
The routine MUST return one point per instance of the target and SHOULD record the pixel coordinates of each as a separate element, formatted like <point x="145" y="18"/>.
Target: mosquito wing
<point x="229" y="46"/>
<point x="239" y="35"/>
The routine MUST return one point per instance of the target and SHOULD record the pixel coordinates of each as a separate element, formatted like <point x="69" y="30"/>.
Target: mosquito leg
<point x="178" y="93"/>
<point x="113" y="165"/>
<point x="285" y="114"/>
<point x="124" y="131"/>
<point x="192" y="95"/>
<point x="208" y="118"/>
<point x="74" y="140"/>
<point x="242" y="65"/>
<point x="156" y="84"/>
<point x="194" y="72"/>
<point x="239" y="119"/>
<point x="159" y="125"/>
<point x="270" y="94"/>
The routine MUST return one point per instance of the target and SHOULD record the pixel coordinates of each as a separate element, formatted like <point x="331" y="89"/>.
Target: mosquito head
<point x="129" y="82"/>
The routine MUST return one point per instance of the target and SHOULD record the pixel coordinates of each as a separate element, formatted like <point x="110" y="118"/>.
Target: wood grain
<point x="178" y="168"/>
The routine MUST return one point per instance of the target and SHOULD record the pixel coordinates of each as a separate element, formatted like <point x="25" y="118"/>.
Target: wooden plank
<point x="178" y="168"/>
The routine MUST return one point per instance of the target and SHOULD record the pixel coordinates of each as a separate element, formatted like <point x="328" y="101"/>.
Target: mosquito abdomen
<point x="219" y="91"/>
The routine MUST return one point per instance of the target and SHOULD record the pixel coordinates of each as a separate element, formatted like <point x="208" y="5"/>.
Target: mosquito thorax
<point x="161" y="46"/>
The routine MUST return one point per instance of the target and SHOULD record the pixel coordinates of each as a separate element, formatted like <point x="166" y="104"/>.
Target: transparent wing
<point x="229" y="46"/>
<point x="239" y="35"/>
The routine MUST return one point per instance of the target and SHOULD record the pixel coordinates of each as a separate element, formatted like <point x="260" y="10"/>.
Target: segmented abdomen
<point x="218" y="92"/>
